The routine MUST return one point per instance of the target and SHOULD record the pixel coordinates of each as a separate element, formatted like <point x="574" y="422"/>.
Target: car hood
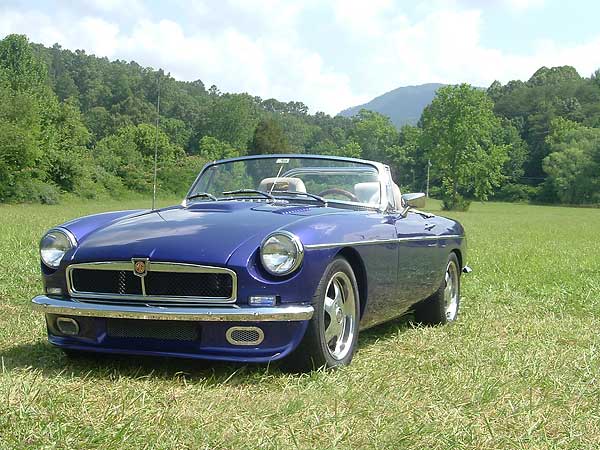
<point x="203" y="233"/>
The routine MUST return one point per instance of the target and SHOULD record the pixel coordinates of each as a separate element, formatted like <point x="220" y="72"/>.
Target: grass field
<point x="520" y="369"/>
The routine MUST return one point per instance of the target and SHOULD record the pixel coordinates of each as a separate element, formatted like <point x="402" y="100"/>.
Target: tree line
<point x="73" y="124"/>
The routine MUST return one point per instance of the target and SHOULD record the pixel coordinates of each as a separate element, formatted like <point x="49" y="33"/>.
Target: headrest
<point x="282" y="184"/>
<point x="397" y="196"/>
<point x="367" y="192"/>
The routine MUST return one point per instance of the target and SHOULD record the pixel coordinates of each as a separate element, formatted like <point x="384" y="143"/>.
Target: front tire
<point x="332" y="333"/>
<point x="442" y="306"/>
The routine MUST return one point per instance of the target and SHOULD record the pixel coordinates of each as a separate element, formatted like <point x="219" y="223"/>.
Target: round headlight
<point x="281" y="253"/>
<point x="54" y="245"/>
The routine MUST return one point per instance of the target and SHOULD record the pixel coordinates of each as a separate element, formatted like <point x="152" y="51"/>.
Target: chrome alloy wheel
<point x="451" y="291"/>
<point x="339" y="315"/>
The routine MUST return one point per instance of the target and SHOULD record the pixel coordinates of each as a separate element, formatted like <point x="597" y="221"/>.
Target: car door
<point x="401" y="270"/>
<point x="418" y="253"/>
<point x="380" y="257"/>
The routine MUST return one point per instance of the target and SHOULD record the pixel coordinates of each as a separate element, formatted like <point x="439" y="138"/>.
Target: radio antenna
<point x="156" y="144"/>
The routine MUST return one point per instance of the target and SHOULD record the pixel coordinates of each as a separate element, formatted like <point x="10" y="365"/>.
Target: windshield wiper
<point x="316" y="197"/>
<point x="202" y="195"/>
<point x="249" y="191"/>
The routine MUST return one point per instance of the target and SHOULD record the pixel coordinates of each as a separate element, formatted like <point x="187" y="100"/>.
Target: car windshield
<point x="333" y="180"/>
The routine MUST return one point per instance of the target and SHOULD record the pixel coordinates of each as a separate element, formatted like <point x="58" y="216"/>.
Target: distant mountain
<point x="403" y="105"/>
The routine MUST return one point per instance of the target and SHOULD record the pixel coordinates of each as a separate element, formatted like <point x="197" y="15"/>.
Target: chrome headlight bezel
<point x="295" y="251"/>
<point x="63" y="241"/>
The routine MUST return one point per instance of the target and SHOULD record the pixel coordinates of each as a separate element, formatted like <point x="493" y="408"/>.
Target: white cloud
<point x="268" y="65"/>
<point x="93" y="34"/>
<point x="362" y="16"/>
<point x="328" y="56"/>
<point x="444" y="45"/>
<point x="522" y="5"/>
<point x="130" y="7"/>
<point x="99" y="35"/>
<point x="236" y="62"/>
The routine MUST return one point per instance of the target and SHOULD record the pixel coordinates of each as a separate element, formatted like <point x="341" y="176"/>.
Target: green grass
<point x="520" y="369"/>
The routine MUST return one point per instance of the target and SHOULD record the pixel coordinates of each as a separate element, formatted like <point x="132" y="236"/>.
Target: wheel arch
<point x="358" y="267"/>
<point x="459" y="256"/>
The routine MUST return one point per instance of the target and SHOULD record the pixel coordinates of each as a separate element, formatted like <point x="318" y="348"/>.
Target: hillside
<point x="73" y="123"/>
<point x="403" y="105"/>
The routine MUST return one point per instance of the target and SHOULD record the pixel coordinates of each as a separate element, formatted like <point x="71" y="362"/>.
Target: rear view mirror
<point x="414" y="200"/>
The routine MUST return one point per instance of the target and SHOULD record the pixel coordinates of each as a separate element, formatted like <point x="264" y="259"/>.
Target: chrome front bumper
<point x="57" y="306"/>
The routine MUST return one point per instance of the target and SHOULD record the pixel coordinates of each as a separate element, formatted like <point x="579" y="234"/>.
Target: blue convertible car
<point x="268" y="257"/>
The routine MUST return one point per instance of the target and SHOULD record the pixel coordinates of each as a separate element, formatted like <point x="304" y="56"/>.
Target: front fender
<point x="296" y="288"/>
<point x="80" y="228"/>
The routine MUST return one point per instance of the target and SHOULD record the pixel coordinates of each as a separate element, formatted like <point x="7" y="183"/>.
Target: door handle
<point x="429" y="227"/>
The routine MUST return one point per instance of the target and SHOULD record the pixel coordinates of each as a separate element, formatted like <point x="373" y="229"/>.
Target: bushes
<point x="177" y="177"/>
<point x="513" y="192"/>
<point x="31" y="190"/>
<point x="458" y="203"/>
<point x="74" y="124"/>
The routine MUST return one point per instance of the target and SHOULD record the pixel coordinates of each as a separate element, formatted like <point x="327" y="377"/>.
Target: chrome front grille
<point x="162" y="283"/>
<point x="121" y="282"/>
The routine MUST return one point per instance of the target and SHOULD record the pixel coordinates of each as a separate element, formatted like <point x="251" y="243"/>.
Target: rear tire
<point x="442" y="307"/>
<point x="332" y="333"/>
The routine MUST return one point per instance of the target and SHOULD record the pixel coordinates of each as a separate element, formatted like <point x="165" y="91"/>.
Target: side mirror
<point x="414" y="200"/>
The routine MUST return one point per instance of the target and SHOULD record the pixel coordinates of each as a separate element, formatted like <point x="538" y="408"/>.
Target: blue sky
<point x="328" y="54"/>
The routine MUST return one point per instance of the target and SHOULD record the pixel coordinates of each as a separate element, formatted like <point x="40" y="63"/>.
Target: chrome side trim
<point x="384" y="241"/>
<point x="50" y="305"/>
<point x="155" y="266"/>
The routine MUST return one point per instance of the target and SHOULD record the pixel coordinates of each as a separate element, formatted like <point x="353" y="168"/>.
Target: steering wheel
<point x="339" y="191"/>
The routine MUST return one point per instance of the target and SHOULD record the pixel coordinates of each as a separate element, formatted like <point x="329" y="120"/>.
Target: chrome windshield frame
<point x="382" y="175"/>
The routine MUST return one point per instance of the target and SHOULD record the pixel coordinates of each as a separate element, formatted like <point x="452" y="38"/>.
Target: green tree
<point x="514" y="186"/>
<point x="518" y="151"/>
<point x="20" y="149"/>
<point x="325" y="128"/>
<point x="298" y="131"/>
<point x="27" y="110"/>
<point x="351" y="150"/>
<point x="129" y="155"/>
<point x="326" y="147"/>
<point x="69" y="163"/>
<point x="73" y="122"/>
<point x="211" y="149"/>
<point x="545" y="76"/>
<point x="408" y="160"/>
<point x="548" y="94"/>
<point x="65" y="87"/>
<point x="231" y="118"/>
<point x="25" y="71"/>
<point x="268" y="139"/>
<point x="595" y="78"/>
<point x="374" y="133"/>
<point x="458" y="129"/>
<point x="573" y="165"/>
<point x="100" y="123"/>
<point x="178" y="131"/>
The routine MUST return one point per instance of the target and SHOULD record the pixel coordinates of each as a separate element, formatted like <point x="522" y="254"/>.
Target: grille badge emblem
<point x="140" y="266"/>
